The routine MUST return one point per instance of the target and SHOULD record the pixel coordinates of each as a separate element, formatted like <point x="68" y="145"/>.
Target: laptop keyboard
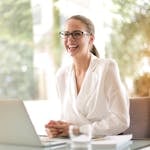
<point x="53" y="141"/>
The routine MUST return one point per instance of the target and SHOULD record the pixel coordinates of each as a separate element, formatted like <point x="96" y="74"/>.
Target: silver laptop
<point x="16" y="126"/>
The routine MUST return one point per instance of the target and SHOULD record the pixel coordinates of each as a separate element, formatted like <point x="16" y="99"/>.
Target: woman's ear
<point x="92" y="38"/>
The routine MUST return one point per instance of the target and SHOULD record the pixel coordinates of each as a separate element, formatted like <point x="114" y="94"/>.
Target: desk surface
<point x="136" y="145"/>
<point x="139" y="144"/>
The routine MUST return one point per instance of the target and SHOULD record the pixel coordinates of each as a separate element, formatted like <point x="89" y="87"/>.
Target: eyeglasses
<point x="75" y="34"/>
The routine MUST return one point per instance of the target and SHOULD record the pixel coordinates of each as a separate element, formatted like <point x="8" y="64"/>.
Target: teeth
<point x="72" y="46"/>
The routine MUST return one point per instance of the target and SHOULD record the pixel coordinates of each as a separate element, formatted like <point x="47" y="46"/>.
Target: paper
<point x="112" y="142"/>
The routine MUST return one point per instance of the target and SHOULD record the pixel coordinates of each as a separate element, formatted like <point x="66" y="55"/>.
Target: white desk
<point x="136" y="145"/>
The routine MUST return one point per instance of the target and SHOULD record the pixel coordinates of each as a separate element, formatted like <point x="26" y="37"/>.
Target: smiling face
<point x="77" y="46"/>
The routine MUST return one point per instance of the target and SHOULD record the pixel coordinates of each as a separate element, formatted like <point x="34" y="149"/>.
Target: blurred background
<point x="31" y="50"/>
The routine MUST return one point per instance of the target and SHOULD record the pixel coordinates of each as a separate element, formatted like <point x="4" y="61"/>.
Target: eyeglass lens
<point x="75" y="34"/>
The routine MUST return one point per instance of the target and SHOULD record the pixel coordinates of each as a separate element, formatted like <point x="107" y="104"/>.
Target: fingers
<point x="51" y="123"/>
<point x="52" y="132"/>
<point x="63" y="129"/>
<point x="57" y="128"/>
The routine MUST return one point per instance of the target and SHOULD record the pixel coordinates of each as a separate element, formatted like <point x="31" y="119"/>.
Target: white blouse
<point x="101" y="102"/>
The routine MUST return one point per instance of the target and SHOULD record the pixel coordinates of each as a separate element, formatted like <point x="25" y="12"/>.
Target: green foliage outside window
<point x="142" y="85"/>
<point x="130" y="35"/>
<point x="16" y="51"/>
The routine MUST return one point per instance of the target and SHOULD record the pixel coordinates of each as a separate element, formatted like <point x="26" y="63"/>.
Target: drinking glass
<point x="80" y="140"/>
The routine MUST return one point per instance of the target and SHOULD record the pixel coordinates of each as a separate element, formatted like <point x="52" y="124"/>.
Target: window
<point x="31" y="50"/>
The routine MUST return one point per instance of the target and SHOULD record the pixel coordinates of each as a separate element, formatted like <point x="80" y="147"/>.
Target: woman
<point x="90" y="88"/>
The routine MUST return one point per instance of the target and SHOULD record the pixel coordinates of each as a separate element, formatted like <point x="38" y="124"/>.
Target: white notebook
<point x="16" y="126"/>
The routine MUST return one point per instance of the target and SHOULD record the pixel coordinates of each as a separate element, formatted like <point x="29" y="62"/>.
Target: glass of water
<point x="80" y="137"/>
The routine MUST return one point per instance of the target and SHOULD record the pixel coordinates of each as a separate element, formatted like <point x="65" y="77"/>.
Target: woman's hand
<point x="57" y="129"/>
<point x="51" y="130"/>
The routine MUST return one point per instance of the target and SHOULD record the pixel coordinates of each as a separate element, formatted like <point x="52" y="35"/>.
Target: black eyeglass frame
<point x="74" y="34"/>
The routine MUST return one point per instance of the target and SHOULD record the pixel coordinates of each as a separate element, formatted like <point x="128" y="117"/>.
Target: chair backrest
<point x="139" y="118"/>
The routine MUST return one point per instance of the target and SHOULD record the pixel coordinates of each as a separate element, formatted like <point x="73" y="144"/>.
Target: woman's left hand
<point x="63" y="128"/>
